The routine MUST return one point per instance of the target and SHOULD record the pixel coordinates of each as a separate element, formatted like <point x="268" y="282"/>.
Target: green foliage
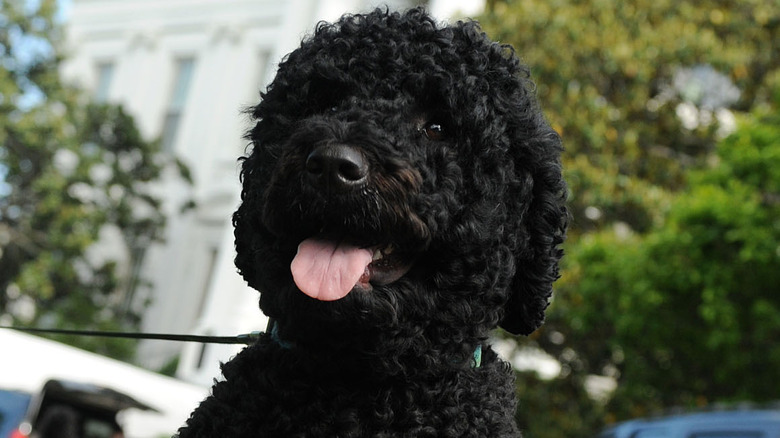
<point x="606" y="73"/>
<point x="689" y="312"/>
<point x="673" y="259"/>
<point x="169" y="369"/>
<point x="555" y="408"/>
<point x="70" y="172"/>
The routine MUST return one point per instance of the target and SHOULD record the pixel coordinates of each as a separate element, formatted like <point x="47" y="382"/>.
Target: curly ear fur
<point x="543" y="230"/>
<point x="535" y="191"/>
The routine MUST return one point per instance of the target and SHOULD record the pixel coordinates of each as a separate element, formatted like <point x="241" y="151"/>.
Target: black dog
<point x="402" y="199"/>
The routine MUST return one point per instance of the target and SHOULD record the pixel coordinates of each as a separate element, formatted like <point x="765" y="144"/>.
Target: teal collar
<point x="275" y="336"/>
<point x="476" y="359"/>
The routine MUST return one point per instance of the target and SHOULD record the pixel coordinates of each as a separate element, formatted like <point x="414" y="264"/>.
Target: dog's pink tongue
<point x="327" y="270"/>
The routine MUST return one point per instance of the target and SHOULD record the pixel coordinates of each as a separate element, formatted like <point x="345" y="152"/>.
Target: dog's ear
<point x="533" y="192"/>
<point x="543" y="219"/>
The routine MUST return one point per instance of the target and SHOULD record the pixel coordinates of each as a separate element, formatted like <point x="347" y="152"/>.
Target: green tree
<point x="555" y="408"/>
<point x="70" y="170"/>
<point x="689" y="311"/>
<point x="672" y="253"/>
<point x="610" y="75"/>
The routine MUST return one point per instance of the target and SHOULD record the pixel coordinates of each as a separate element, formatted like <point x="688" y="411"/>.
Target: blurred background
<point x="121" y="124"/>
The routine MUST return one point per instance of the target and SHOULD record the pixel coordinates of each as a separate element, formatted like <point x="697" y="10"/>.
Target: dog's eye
<point x="434" y="131"/>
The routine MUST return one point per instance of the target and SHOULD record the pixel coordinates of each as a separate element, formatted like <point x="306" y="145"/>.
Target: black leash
<point x="247" y="339"/>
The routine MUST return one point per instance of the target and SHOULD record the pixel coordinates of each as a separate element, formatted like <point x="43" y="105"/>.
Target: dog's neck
<point x="273" y="330"/>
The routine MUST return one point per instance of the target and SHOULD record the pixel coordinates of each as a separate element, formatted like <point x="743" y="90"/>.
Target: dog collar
<point x="275" y="337"/>
<point x="476" y="359"/>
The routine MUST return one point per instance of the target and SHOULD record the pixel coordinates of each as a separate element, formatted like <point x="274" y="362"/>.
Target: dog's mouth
<point x="329" y="269"/>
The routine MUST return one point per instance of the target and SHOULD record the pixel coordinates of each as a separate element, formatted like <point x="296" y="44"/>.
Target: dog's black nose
<point x="337" y="167"/>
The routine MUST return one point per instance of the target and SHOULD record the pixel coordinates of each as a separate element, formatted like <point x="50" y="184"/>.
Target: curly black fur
<point x="463" y="177"/>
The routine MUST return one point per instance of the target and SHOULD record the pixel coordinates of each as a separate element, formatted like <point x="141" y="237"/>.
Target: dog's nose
<point x="337" y="167"/>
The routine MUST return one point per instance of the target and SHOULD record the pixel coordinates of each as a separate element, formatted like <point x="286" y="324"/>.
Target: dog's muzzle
<point x="337" y="168"/>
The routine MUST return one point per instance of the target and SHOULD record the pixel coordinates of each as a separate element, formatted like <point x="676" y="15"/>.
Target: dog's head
<point x="401" y="176"/>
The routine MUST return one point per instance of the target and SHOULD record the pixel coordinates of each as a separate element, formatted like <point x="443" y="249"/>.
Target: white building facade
<point x="185" y="69"/>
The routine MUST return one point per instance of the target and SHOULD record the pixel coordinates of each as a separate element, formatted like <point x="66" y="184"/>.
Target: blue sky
<point x="64" y="12"/>
<point x="31" y="97"/>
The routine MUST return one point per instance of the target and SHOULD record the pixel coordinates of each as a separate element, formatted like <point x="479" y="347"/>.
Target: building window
<point x="135" y="280"/>
<point x="202" y="354"/>
<point x="210" y="269"/>
<point x="105" y="74"/>
<point x="181" y="86"/>
<point x="265" y="68"/>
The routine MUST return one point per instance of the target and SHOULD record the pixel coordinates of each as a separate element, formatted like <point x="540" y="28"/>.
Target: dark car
<point x="716" y="424"/>
<point x="64" y="409"/>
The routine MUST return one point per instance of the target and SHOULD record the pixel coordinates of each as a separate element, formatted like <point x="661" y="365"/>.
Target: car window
<point x="94" y="428"/>
<point x="13" y="406"/>
<point x="728" y="434"/>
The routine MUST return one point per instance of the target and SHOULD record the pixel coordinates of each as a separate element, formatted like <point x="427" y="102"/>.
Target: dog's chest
<point x="474" y="403"/>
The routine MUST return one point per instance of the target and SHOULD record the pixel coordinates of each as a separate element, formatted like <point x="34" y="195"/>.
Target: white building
<point x="185" y="69"/>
